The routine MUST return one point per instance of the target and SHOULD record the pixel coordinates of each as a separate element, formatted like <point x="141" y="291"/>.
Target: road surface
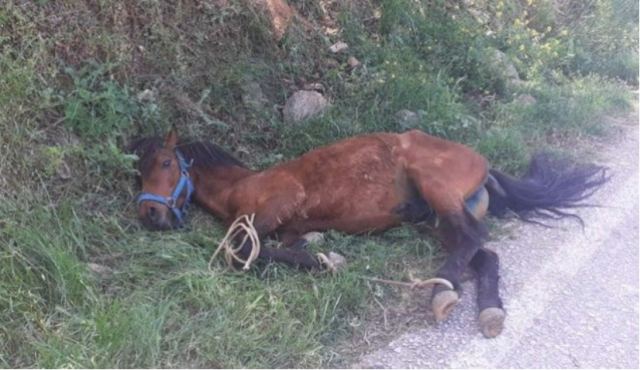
<point x="571" y="294"/>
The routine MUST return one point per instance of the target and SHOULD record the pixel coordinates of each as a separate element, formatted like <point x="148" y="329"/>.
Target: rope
<point x="414" y="283"/>
<point x="243" y="224"/>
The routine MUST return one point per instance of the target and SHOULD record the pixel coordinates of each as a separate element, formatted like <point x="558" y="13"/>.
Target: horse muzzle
<point x="155" y="216"/>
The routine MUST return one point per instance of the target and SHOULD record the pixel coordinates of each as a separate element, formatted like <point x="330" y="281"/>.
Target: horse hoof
<point x="442" y="303"/>
<point x="313" y="237"/>
<point x="491" y="321"/>
<point x="333" y="261"/>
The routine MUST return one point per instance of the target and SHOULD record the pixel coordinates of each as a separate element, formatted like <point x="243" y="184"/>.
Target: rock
<point x="280" y="14"/>
<point x="102" y="270"/>
<point x="253" y="98"/>
<point x="315" y="86"/>
<point x="526" y="100"/>
<point x="501" y="60"/>
<point x="338" y="47"/>
<point x="314" y="237"/>
<point x="63" y="170"/>
<point x="303" y="105"/>
<point x="407" y="119"/>
<point x="332" y="63"/>
<point x="353" y="62"/>
<point x="147" y="95"/>
<point x="502" y="69"/>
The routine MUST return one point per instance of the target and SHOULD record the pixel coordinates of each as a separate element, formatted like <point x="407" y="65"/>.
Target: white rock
<point x="338" y="47"/>
<point x="303" y="105"/>
<point x="353" y="62"/>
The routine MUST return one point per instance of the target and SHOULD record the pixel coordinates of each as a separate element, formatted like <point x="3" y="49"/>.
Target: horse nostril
<point x="153" y="213"/>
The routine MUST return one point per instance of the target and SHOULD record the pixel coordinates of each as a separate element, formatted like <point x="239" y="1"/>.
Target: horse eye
<point x="166" y="163"/>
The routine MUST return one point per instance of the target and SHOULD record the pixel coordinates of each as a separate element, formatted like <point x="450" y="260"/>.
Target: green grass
<point x="83" y="285"/>
<point x="157" y="305"/>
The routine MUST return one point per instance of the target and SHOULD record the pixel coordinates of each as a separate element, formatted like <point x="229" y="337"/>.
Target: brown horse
<point x="363" y="184"/>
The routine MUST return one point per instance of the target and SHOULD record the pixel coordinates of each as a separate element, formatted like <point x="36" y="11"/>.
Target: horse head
<point x="166" y="184"/>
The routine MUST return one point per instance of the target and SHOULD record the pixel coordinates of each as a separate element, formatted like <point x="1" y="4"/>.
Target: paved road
<point x="571" y="294"/>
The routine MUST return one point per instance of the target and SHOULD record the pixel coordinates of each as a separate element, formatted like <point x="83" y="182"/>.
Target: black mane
<point x="202" y="153"/>
<point x="208" y="155"/>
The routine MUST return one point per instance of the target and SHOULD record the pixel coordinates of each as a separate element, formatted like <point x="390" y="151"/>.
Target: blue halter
<point x="170" y="201"/>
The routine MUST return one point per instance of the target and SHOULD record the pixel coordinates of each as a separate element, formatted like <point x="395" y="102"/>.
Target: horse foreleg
<point x="296" y="257"/>
<point x="491" y="318"/>
<point x="267" y="218"/>
<point x="299" y="258"/>
<point x="331" y="261"/>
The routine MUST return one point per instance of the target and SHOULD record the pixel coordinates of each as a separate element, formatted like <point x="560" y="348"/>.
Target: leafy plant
<point x="97" y="106"/>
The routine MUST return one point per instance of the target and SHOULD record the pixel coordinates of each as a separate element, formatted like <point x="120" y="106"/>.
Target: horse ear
<point x="171" y="140"/>
<point x="134" y="146"/>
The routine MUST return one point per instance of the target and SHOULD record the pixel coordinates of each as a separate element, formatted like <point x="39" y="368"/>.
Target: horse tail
<point x="549" y="187"/>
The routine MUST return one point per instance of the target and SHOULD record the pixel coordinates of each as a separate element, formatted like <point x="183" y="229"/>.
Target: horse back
<point x="354" y="182"/>
<point x="358" y="184"/>
<point x="370" y="177"/>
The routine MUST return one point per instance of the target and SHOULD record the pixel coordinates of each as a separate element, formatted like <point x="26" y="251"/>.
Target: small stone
<point x="500" y="66"/>
<point x="252" y="96"/>
<point x="332" y="63"/>
<point x="314" y="86"/>
<point x="99" y="269"/>
<point x="303" y="105"/>
<point x="314" y="237"/>
<point x="280" y="15"/>
<point x="526" y="100"/>
<point x="407" y="119"/>
<point x="63" y="171"/>
<point x="147" y="95"/>
<point x="338" y="260"/>
<point x="338" y="47"/>
<point x="353" y="62"/>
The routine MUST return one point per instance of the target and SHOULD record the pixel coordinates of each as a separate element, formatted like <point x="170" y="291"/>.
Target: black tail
<point x="548" y="187"/>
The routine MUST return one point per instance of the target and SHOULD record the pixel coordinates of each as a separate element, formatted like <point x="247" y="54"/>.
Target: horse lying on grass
<point x="364" y="184"/>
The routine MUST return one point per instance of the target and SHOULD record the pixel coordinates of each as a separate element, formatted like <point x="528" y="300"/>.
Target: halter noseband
<point x="170" y="201"/>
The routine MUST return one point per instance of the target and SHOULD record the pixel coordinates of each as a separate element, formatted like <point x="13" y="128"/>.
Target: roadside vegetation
<point x="82" y="284"/>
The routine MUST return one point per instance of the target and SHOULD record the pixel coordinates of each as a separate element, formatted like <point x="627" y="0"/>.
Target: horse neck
<point x="213" y="186"/>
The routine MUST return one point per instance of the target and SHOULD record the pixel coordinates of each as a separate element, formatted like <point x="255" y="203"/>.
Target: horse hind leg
<point x="491" y="318"/>
<point x="462" y="236"/>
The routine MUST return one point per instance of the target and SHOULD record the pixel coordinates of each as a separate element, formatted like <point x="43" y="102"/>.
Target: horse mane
<point x="208" y="154"/>
<point x="202" y="153"/>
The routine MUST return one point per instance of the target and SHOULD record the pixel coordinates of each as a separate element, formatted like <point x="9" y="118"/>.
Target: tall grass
<point x="89" y="293"/>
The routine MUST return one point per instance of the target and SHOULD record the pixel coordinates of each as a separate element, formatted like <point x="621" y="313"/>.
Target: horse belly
<point x="352" y="186"/>
<point x="366" y="209"/>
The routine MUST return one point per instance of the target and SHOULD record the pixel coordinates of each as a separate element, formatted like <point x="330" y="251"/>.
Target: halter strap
<point x="184" y="183"/>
